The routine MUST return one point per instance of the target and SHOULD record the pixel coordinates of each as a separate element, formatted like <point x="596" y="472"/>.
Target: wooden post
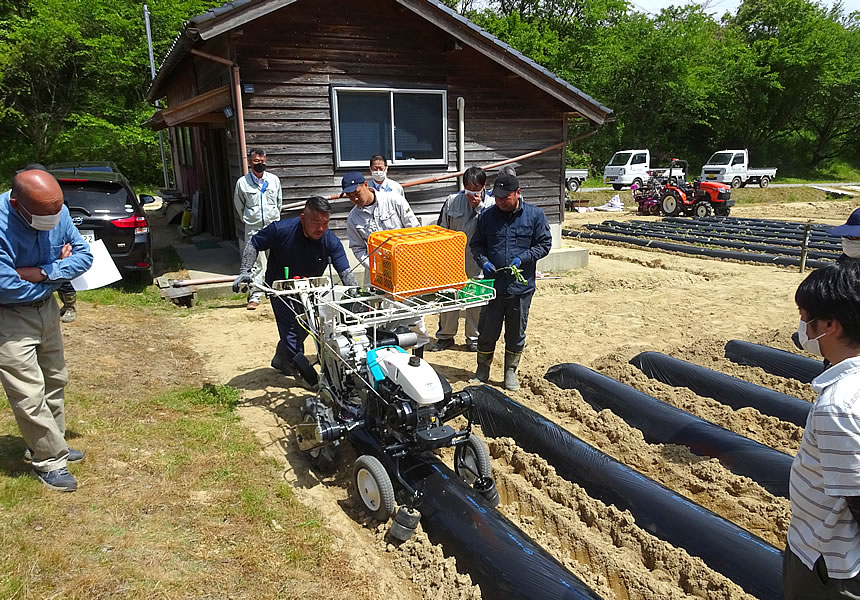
<point x="805" y="246"/>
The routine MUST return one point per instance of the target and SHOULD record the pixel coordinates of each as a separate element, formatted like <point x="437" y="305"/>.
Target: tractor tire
<point x="374" y="488"/>
<point x="572" y="184"/>
<point x="736" y="182"/>
<point x="702" y="210"/>
<point x="722" y="211"/>
<point x="472" y="460"/>
<point x="764" y="182"/>
<point x="670" y="204"/>
<point x="617" y="187"/>
<point x="324" y="458"/>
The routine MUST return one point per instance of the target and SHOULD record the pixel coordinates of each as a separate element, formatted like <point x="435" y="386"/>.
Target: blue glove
<point x="489" y="269"/>
<point x="240" y="284"/>
<point x="517" y="262"/>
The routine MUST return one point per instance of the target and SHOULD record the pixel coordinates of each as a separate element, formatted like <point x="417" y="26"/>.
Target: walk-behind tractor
<point x="699" y="199"/>
<point x="387" y="403"/>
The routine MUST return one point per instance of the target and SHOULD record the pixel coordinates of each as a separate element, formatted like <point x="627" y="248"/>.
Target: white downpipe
<point x="461" y="142"/>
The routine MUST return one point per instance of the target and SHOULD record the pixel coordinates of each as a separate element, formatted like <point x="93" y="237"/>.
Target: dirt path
<point x="626" y="301"/>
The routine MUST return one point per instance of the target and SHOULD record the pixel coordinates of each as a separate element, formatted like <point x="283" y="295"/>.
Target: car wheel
<point x="617" y="187"/>
<point x="572" y="184"/>
<point x="374" y="487"/>
<point x="670" y="204"/>
<point x="637" y="182"/>
<point x="736" y="182"/>
<point x="764" y="182"/>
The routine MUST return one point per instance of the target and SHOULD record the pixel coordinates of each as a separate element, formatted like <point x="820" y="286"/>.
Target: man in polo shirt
<point x="513" y="234"/>
<point x="822" y="556"/>
<point x="305" y="246"/>
<point x="257" y="199"/>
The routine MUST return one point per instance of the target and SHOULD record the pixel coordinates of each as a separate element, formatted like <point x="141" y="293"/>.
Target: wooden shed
<point x="321" y="85"/>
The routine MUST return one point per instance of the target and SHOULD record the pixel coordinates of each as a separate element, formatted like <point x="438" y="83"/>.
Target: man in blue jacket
<point x="509" y="239"/>
<point x="40" y="249"/>
<point x="305" y="246"/>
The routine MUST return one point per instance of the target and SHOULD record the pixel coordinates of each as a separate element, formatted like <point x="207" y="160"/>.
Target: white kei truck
<point x="627" y="167"/>
<point x="732" y="167"/>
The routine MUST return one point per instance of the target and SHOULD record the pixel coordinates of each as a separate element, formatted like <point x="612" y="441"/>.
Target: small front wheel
<point x="617" y="187"/>
<point x="472" y="460"/>
<point x="702" y="210"/>
<point x="764" y="182"/>
<point x="374" y="487"/>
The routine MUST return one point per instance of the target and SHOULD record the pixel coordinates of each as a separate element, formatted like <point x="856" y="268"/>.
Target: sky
<point x="718" y="7"/>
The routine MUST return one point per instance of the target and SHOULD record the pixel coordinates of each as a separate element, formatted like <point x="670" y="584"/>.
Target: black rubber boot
<point x="512" y="361"/>
<point x="482" y="373"/>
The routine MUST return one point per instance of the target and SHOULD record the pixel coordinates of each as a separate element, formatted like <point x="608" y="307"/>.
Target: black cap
<point x="505" y="184"/>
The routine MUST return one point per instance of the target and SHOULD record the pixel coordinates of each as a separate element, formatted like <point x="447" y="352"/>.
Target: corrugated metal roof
<point x="186" y="38"/>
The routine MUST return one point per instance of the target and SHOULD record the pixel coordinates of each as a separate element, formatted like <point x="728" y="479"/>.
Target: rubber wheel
<point x="637" y="182"/>
<point x="736" y="182"/>
<point x="408" y="517"/>
<point x="723" y="211"/>
<point x="702" y="210"/>
<point x="764" y="182"/>
<point x="670" y="204"/>
<point x="373" y="486"/>
<point x="572" y="184"/>
<point x="324" y="458"/>
<point x="400" y="532"/>
<point x="617" y="187"/>
<point x="472" y="454"/>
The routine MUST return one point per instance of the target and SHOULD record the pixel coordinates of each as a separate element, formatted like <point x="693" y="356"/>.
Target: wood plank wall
<point x="295" y="55"/>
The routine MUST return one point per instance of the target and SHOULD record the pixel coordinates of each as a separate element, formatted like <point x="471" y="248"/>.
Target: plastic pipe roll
<point x="741" y="556"/>
<point x="723" y="388"/>
<point x="662" y="423"/>
<point x="774" y="361"/>
<point x="499" y="557"/>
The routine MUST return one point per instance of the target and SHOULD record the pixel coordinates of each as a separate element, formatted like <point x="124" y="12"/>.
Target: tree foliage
<point x="781" y="77"/>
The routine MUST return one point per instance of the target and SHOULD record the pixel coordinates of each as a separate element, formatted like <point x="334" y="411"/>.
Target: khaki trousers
<point x="449" y="321"/>
<point x="33" y="374"/>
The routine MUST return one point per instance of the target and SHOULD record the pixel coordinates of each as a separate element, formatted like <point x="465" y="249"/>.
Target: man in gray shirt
<point x="460" y="213"/>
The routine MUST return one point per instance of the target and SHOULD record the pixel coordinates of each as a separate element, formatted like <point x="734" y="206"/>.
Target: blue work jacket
<point x="288" y="246"/>
<point x="501" y="237"/>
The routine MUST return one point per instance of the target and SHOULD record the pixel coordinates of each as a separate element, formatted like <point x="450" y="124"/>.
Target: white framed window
<point x="407" y="126"/>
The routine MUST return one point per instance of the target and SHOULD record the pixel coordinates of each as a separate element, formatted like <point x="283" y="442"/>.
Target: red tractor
<point x="699" y="199"/>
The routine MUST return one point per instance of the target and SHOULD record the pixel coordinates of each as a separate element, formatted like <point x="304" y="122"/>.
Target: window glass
<point x="94" y="196"/>
<point x="417" y="126"/>
<point x="364" y="125"/>
<point x="638" y="159"/>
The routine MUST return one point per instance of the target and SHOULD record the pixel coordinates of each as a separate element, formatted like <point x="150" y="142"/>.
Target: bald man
<point x="40" y="249"/>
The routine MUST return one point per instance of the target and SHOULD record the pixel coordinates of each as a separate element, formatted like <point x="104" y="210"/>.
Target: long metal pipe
<point x="461" y="138"/>
<point x="662" y="423"/>
<point x="741" y="556"/>
<point x="723" y="388"/>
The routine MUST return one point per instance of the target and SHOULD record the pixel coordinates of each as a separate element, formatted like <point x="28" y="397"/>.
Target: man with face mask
<point x="40" y="249"/>
<point x="850" y="234"/>
<point x="822" y="555"/>
<point x="306" y="247"/>
<point x="460" y="213"/>
<point x="258" y="202"/>
<point x="379" y="176"/>
<point x="509" y="237"/>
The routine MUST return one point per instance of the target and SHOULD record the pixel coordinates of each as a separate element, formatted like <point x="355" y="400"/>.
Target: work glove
<point x="240" y="284"/>
<point x="516" y="262"/>
<point x="489" y="269"/>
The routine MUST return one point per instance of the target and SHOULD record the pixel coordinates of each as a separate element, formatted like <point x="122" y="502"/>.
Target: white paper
<point x="102" y="272"/>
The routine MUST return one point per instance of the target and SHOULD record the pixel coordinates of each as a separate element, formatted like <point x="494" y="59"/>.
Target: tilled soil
<point x="626" y="301"/>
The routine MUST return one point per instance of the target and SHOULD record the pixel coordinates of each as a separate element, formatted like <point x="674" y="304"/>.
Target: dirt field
<point x="626" y="301"/>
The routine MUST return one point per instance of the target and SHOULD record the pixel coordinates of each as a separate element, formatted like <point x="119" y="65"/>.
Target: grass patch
<point x="129" y="296"/>
<point x="175" y="498"/>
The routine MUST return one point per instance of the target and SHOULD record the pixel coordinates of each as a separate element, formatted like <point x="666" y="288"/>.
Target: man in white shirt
<point x="822" y="555"/>
<point x="379" y="176"/>
<point x="460" y="213"/>
<point x="258" y="202"/>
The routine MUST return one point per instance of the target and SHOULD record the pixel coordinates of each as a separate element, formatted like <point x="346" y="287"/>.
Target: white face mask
<point x="40" y="222"/>
<point x="810" y="345"/>
<point x="378" y="176"/>
<point x="851" y="247"/>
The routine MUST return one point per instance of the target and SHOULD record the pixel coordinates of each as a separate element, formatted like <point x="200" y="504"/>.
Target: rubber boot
<point x="68" y="312"/>
<point x="482" y="373"/>
<point x="512" y="361"/>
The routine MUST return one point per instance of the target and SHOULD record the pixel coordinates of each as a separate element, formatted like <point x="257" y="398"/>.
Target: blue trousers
<point x="292" y="335"/>
<point x="513" y="313"/>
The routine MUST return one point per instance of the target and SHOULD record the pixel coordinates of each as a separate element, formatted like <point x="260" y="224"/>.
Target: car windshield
<point x="619" y="159"/>
<point x="720" y="158"/>
<point x="95" y="197"/>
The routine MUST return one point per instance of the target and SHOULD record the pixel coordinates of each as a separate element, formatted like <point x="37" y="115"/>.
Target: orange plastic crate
<point x="417" y="260"/>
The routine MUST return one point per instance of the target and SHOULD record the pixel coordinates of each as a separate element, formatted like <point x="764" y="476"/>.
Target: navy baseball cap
<point x="505" y="184"/>
<point x="351" y="181"/>
<point x="851" y="227"/>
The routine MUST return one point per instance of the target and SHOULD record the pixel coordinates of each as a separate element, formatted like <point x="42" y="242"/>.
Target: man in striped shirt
<point x="822" y="558"/>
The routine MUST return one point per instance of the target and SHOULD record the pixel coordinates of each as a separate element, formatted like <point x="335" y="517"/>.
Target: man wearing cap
<point x="40" y="248"/>
<point x="509" y="237"/>
<point x="306" y="246"/>
<point x="850" y="234"/>
<point x="257" y="199"/>
<point x="460" y="213"/>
